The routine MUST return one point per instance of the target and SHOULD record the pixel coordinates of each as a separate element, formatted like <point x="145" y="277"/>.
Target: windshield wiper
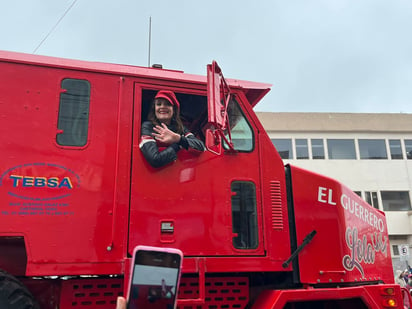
<point x="305" y="241"/>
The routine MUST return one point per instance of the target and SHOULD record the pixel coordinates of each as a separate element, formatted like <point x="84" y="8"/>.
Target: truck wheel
<point x="13" y="294"/>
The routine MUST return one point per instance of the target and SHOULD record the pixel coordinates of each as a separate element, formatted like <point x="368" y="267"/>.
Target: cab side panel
<point x="59" y="198"/>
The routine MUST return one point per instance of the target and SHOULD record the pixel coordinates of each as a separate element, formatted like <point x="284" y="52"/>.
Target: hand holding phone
<point x="121" y="303"/>
<point x="155" y="278"/>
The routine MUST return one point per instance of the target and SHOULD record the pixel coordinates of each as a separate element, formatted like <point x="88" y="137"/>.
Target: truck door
<point x="207" y="204"/>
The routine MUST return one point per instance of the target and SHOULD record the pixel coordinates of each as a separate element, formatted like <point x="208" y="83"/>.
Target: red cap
<point x="168" y="95"/>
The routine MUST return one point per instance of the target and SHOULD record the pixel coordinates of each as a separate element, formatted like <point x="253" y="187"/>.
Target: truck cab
<point x="77" y="196"/>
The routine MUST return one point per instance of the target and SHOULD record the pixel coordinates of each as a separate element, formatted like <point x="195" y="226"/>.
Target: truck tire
<point x="13" y="294"/>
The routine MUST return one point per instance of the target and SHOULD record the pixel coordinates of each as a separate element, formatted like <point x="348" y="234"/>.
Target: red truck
<point x="76" y="196"/>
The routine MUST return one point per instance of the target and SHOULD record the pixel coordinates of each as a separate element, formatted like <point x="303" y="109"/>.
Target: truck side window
<point x="73" y="119"/>
<point x="244" y="215"/>
<point x="240" y="130"/>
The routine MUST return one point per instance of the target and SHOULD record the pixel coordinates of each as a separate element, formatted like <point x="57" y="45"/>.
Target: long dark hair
<point x="175" y="122"/>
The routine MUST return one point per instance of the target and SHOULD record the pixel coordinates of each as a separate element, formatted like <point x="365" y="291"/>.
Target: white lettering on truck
<point x="362" y="250"/>
<point x="362" y="213"/>
<point x="325" y="195"/>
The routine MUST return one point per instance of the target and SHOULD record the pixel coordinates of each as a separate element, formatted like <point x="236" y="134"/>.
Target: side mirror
<point x="213" y="142"/>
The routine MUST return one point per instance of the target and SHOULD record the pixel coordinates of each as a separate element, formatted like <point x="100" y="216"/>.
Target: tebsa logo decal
<point x="39" y="181"/>
<point x="31" y="181"/>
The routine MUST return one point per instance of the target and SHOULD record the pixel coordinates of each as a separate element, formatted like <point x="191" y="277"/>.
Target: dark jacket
<point x="158" y="154"/>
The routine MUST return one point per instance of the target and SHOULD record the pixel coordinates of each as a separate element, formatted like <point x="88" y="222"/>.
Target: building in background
<point x="369" y="153"/>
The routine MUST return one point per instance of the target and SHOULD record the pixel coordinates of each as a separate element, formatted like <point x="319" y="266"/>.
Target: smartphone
<point x="154" y="278"/>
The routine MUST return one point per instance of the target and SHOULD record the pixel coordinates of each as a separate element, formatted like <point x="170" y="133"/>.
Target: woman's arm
<point x="189" y="142"/>
<point x="170" y="139"/>
<point x="150" y="150"/>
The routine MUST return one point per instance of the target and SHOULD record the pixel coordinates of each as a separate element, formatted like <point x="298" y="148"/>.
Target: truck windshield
<point x="240" y="129"/>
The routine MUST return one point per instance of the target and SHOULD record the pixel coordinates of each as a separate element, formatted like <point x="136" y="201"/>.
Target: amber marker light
<point x="390" y="303"/>
<point x="387" y="291"/>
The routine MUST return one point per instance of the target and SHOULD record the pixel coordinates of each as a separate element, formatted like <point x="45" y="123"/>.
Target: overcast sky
<point x="320" y="55"/>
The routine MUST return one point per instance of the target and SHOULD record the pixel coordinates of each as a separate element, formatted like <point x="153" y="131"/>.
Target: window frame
<point x="330" y="154"/>
<point x="395" y="250"/>
<point x="317" y="148"/>
<point x="250" y="229"/>
<point x="302" y="148"/>
<point x="371" y="197"/>
<point x="391" y="147"/>
<point x="408" y="148"/>
<point x="280" y="152"/>
<point x="368" y="145"/>
<point x="61" y="121"/>
<point x="384" y="201"/>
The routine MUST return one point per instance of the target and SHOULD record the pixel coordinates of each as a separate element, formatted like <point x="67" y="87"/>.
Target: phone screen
<point x="154" y="280"/>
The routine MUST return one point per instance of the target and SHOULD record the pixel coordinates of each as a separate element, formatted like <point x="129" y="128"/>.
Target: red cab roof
<point x="254" y="91"/>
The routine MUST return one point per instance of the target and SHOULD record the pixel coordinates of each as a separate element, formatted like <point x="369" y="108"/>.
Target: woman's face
<point x="163" y="110"/>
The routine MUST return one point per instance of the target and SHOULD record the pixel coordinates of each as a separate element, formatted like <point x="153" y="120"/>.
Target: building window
<point x="73" y="121"/>
<point x="395" y="249"/>
<point x="341" y="149"/>
<point x="284" y="147"/>
<point x="302" y="151"/>
<point x="358" y="193"/>
<point x="395" y="200"/>
<point x="244" y="215"/>
<point x="372" y="149"/>
<point x="395" y="149"/>
<point x="318" y="151"/>
<point x="408" y="148"/>
<point x="372" y="198"/>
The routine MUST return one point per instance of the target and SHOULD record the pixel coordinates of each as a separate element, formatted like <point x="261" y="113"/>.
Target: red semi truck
<point x="76" y="196"/>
